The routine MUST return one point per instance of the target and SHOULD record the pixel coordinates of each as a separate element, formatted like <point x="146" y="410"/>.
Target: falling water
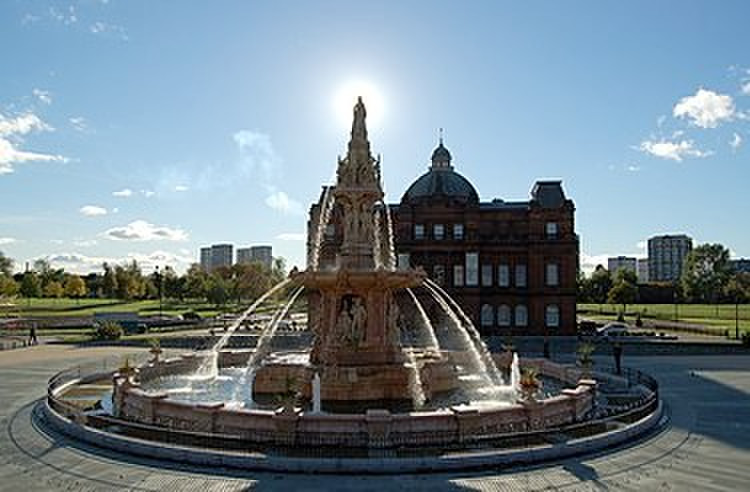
<point x="377" y="244"/>
<point x="429" y="331"/>
<point x="209" y="368"/>
<point x="476" y="340"/>
<point x="515" y="375"/>
<point x="415" y="381"/>
<point x="324" y="216"/>
<point x="479" y="362"/>
<point x="389" y="236"/>
<point x="263" y="347"/>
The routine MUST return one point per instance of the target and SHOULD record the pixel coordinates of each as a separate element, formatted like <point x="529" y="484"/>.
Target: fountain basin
<point x="373" y="428"/>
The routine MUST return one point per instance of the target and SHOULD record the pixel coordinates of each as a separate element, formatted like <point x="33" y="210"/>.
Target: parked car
<point x="615" y="329"/>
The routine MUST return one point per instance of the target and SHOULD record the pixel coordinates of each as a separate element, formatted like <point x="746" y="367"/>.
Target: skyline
<point x="146" y="133"/>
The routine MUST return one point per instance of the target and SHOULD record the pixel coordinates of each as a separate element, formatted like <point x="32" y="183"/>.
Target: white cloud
<point x="674" y="150"/>
<point x="641" y="245"/>
<point x="43" y="96"/>
<point x="65" y="16"/>
<point x="280" y="201"/>
<point x="111" y="30"/>
<point x="746" y="88"/>
<point x="180" y="188"/>
<point x="633" y="168"/>
<point x="82" y="264"/>
<point x="705" y="109"/>
<point x="85" y="243"/>
<point x="590" y="262"/>
<point x="21" y="125"/>
<point x="124" y="193"/>
<point x="56" y="241"/>
<point x="78" y="123"/>
<point x="736" y="141"/>
<point x="291" y="236"/>
<point x="148" y="193"/>
<point x="258" y="154"/>
<point x="7" y="240"/>
<point x="140" y="230"/>
<point x="92" y="210"/>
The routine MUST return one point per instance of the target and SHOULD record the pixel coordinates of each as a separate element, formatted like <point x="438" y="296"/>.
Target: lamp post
<point x="158" y="287"/>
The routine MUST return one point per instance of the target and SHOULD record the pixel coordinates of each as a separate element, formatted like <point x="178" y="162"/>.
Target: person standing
<point x="32" y="334"/>
<point x="617" y="352"/>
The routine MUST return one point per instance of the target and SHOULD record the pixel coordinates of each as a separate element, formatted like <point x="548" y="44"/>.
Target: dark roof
<point x="441" y="154"/>
<point x="548" y="194"/>
<point x="441" y="183"/>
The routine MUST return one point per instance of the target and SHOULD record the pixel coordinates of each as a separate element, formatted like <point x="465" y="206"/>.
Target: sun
<point x="346" y="97"/>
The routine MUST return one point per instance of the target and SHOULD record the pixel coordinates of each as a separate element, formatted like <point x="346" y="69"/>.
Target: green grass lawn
<point x="87" y="307"/>
<point x="721" y="317"/>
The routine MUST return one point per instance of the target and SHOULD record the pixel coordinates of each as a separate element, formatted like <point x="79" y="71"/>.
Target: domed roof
<point x="441" y="154"/>
<point x="441" y="181"/>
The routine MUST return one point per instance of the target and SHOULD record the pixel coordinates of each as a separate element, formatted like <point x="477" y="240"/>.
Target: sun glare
<point x="346" y="98"/>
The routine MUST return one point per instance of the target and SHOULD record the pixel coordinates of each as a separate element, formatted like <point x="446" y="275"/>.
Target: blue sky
<point x="148" y="129"/>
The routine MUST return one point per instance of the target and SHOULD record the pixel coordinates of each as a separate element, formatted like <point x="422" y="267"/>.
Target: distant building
<point x="221" y="255"/>
<point x="666" y="256"/>
<point x="260" y="254"/>
<point x="206" y="259"/>
<point x="740" y="265"/>
<point x="621" y="263"/>
<point x="642" y="270"/>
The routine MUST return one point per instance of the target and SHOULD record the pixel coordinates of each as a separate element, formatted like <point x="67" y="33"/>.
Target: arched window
<point x="552" y="316"/>
<point x="522" y="315"/>
<point x="487" y="315"/>
<point x="503" y="315"/>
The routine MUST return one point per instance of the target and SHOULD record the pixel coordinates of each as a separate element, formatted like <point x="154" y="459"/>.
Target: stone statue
<point x="343" y="323"/>
<point x="359" y="130"/>
<point x="359" y="320"/>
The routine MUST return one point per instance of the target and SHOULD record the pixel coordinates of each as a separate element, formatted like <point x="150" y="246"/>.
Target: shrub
<point x="108" y="330"/>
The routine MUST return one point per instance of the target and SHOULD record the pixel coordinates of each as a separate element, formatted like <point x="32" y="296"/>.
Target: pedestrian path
<point x="706" y="445"/>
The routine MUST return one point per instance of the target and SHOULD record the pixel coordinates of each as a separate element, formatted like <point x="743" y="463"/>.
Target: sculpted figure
<point x="394" y="322"/>
<point x="359" y="320"/>
<point x="343" y="324"/>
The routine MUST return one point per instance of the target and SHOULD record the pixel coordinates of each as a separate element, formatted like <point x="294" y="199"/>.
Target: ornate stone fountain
<point x="352" y="311"/>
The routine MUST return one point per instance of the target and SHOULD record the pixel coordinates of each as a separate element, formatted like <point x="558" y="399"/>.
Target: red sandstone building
<point x="511" y="265"/>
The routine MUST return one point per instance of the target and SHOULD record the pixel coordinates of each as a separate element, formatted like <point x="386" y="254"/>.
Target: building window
<point x="403" y="261"/>
<point x="503" y="315"/>
<point x="552" y="316"/>
<point x="438" y="231"/>
<point x="472" y="269"/>
<point x="486" y="275"/>
<point x="418" y="231"/>
<point x="458" y="231"/>
<point x="438" y="274"/>
<point x="551" y="230"/>
<point x="522" y="315"/>
<point x="503" y="275"/>
<point x="330" y="230"/>
<point x="458" y="275"/>
<point x="552" y="274"/>
<point x="521" y="275"/>
<point x="487" y="315"/>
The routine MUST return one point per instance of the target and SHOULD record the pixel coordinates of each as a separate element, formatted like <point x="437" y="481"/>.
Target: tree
<point x="278" y="270"/>
<point x="109" y="282"/>
<point x="30" y="286"/>
<point x="706" y="273"/>
<point x="173" y="287"/>
<point x="8" y="286"/>
<point x="737" y="289"/>
<point x="217" y="293"/>
<point x="624" y="290"/>
<point x="196" y="282"/>
<point x="53" y="289"/>
<point x="75" y="287"/>
<point x="6" y="265"/>
<point x="600" y="284"/>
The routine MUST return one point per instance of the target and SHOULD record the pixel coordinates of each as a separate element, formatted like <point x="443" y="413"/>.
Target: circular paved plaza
<point x="704" y="446"/>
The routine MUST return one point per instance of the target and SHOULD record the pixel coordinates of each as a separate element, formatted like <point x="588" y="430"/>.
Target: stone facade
<point x="510" y="265"/>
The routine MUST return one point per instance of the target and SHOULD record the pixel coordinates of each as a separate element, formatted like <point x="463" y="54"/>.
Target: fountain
<point x="361" y="382"/>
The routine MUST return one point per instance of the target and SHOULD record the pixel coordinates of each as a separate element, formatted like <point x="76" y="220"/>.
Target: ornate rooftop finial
<point x="441" y="135"/>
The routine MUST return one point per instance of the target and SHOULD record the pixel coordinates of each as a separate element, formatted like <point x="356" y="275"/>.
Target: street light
<point x="158" y="287"/>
